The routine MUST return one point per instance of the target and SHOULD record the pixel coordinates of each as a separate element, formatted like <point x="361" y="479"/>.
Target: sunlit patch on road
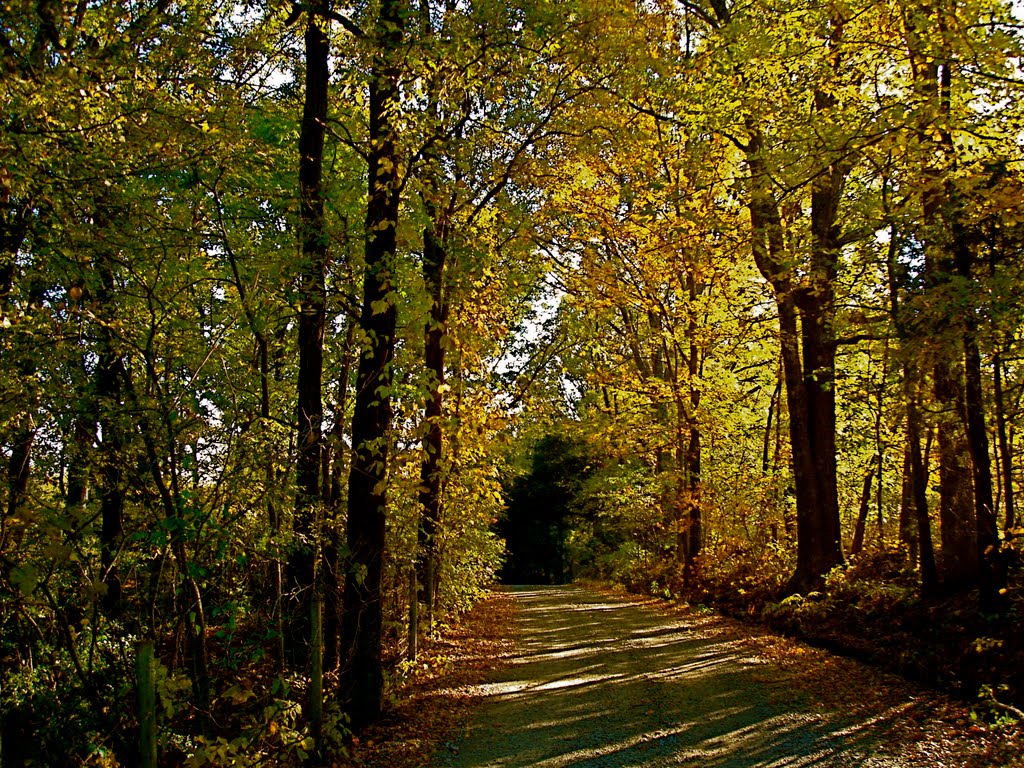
<point x="599" y="681"/>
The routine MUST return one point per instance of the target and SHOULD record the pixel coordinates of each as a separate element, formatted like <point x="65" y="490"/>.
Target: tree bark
<point x="84" y="433"/>
<point x="301" y="566"/>
<point x="110" y="410"/>
<point x="333" y="575"/>
<point x="434" y="258"/>
<point x="111" y="490"/>
<point x="1005" y="452"/>
<point x="908" y="521"/>
<point x="918" y="531"/>
<point x="690" y="459"/>
<point x="362" y="677"/>
<point x="857" y="545"/>
<point x="956" y="510"/>
<point x="773" y="404"/>
<point x="808" y="362"/>
<point x="969" y="533"/>
<point x="19" y="467"/>
<point x="919" y="473"/>
<point x="14" y="219"/>
<point x="992" y="570"/>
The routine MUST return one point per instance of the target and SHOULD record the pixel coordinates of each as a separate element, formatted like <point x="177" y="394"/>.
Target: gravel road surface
<point x="600" y="680"/>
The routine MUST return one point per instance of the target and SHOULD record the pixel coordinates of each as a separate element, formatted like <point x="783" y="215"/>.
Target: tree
<point x="313" y="242"/>
<point x="946" y="102"/>
<point x="362" y="677"/>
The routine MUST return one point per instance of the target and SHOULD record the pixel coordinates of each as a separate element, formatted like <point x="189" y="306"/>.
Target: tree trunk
<point x="688" y="439"/>
<point x="965" y="535"/>
<point x="1005" y="452"/>
<point x="992" y="570"/>
<point x="819" y="546"/>
<point x="110" y="397"/>
<point x="333" y="572"/>
<point x="694" y="478"/>
<point x="145" y="683"/>
<point x="908" y="521"/>
<point x="919" y="533"/>
<point x="301" y="567"/>
<point x="919" y="473"/>
<point x="862" y="512"/>
<point x="80" y="448"/>
<point x="111" y="491"/>
<point x="13" y="228"/>
<point x="362" y="676"/>
<point x="773" y="404"/>
<point x="434" y="256"/>
<point x="806" y="338"/>
<point x="19" y="467"/>
<point x="956" y="511"/>
<point x="880" y="443"/>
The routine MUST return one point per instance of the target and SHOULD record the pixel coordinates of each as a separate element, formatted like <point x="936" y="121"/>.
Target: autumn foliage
<point x="315" y="319"/>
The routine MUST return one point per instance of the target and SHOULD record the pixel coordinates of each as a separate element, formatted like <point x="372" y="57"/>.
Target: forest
<point x="317" y="319"/>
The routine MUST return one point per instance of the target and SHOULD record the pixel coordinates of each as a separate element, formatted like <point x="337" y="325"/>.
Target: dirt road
<point x="600" y="680"/>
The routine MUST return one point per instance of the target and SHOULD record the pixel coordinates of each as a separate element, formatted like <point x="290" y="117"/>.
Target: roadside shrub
<point x="739" y="577"/>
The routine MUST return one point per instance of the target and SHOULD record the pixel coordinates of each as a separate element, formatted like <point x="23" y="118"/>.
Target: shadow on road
<point x="600" y="681"/>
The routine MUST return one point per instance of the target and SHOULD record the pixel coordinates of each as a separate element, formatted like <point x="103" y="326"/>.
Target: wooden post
<point x="147" y="703"/>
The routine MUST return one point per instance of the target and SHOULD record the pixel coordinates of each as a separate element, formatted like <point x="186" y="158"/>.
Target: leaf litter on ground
<point x="441" y="690"/>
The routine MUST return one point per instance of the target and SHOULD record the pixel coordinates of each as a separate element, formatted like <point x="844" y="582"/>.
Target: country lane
<point x="600" y="680"/>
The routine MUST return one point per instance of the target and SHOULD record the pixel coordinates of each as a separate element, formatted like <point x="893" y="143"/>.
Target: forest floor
<point x="573" y="676"/>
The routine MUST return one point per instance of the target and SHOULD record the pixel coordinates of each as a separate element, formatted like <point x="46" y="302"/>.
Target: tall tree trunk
<point x="908" y="521"/>
<point x="808" y="363"/>
<point x="333" y="575"/>
<point x="301" y="568"/>
<point x="434" y="257"/>
<point x="919" y="474"/>
<point x="83" y="436"/>
<point x="956" y="496"/>
<point x="807" y="340"/>
<point x="880" y="443"/>
<point x="919" y="534"/>
<point x="111" y="490"/>
<point x="19" y="465"/>
<point x="110" y="412"/>
<point x="992" y="570"/>
<point x="690" y="459"/>
<point x="806" y="333"/>
<point x="957" y="527"/>
<point x="990" y="561"/>
<point x="1005" y="452"/>
<point x="819" y="545"/>
<point x="932" y="76"/>
<point x="19" y="469"/>
<point x="79" y="450"/>
<point x="13" y="230"/>
<point x="362" y="677"/>
<point x="433" y="270"/>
